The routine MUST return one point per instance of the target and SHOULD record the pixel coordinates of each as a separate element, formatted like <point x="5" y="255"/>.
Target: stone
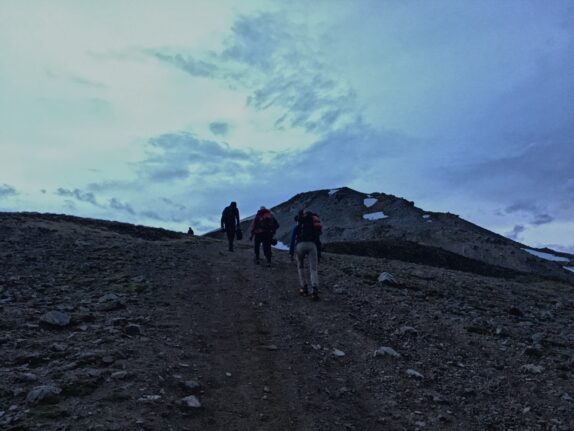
<point x="41" y="394"/>
<point x="386" y="351"/>
<point x="119" y="375"/>
<point x="192" y="385"/>
<point x="414" y="374"/>
<point x="133" y="329"/>
<point x="532" y="369"/>
<point x="191" y="401"/>
<point x="385" y="277"/>
<point x="149" y="398"/>
<point x="338" y="353"/>
<point x="55" y="318"/>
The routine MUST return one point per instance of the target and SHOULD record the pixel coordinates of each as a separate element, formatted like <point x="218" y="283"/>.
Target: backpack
<point x="310" y="228"/>
<point x="266" y="222"/>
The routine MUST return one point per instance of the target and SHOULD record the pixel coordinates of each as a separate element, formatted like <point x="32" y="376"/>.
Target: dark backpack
<point x="310" y="228"/>
<point x="267" y="223"/>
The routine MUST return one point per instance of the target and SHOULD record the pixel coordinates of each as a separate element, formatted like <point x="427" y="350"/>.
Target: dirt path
<point x="261" y="349"/>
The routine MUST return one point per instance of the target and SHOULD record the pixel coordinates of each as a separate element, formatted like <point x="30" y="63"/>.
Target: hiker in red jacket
<point x="263" y="228"/>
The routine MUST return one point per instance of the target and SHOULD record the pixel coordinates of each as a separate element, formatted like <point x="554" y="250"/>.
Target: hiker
<point x="304" y="239"/>
<point x="294" y="233"/>
<point x="230" y="222"/>
<point x="190" y="231"/>
<point x="263" y="228"/>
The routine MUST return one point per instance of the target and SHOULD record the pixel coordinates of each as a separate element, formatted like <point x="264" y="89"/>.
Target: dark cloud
<point x="219" y="128"/>
<point x="173" y="204"/>
<point x="78" y="195"/>
<point x="518" y="229"/>
<point x="198" y="68"/>
<point x="542" y="219"/>
<point x="178" y="156"/>
<point x="121" y="206"/>
<point x="7" y="190"/>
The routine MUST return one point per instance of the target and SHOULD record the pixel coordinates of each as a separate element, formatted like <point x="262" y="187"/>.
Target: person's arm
<point x="222" y="220"/>
<point x="237" y="216"/>
<point x="292" y="242"/>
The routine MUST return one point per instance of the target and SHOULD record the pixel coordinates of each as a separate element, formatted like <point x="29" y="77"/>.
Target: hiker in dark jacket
<point x="304" y="240"/>
<point x="263" y="227"/>
<point x="230" y="222"/>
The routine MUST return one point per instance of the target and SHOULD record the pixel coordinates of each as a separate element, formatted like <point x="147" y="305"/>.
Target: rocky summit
<point x="111" y="326"/>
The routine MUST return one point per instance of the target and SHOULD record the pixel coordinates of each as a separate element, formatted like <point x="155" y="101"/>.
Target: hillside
<point x="352" y="216"/>
<point x="109" y="326"/>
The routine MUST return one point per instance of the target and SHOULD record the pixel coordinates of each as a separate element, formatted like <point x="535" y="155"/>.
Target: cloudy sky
<point x="162" y="112"/>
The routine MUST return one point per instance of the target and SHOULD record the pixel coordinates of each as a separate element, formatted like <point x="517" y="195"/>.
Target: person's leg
<point x="256" y="246"/>
<point x="267" y="246"/>
<point x="300" y="257"/>
<point x="313" y="268"/>
<point x="230" y="237"/>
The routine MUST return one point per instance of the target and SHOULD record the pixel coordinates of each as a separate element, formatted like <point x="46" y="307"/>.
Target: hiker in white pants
<point x="307" y="248"/>
<point x="304" y="239"/>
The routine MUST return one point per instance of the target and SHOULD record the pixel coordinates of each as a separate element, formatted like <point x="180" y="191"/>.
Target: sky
<point x="162" y="112"/>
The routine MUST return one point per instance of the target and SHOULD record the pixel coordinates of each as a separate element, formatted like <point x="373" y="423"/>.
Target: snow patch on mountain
<point x="369" y="202"/>
<point x="333" y="191"/>
<point x="569" y="268"/>
<point x="546" y="256"/>
<point x="375" y="216"/>
<point x="427" y="216"/>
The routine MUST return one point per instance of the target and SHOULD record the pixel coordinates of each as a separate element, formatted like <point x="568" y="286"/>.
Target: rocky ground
<point x="106" y="328"/>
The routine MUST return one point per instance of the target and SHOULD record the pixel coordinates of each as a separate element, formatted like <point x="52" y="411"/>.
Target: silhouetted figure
<point x="190" y="231"/>
<point x="263" y="228"/>
<point x="230" y="222"/>
<point x="304" y="240"/>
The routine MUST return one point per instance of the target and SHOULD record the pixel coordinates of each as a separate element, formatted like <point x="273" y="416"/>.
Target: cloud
<point x="518" y="229"/>
<point x="219" y="128"/>
<point x="179" y="156"/>
<point x="120" y="206"/>
<point x="78" y="195"/>
<point x="7" y="191"/>
<point x="542" y="219"/>
<point x="266" y="55"/>
<point x="198" y="68"/>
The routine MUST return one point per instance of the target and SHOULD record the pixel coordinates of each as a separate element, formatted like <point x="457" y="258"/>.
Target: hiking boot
<point x="268" y="264"/>
<point x="315" y="296"/>
<point x="304" y="291"/>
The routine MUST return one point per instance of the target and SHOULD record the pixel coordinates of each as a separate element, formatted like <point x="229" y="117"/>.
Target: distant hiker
<point x="190" y="231"/>
<point x="263" y="228"/>
<point x="230" y="222"/>
<point x="304" y="241"/>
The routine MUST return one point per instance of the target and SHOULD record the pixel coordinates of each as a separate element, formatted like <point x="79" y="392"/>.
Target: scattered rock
<point x="532" y="369"/>
<point x="119" y="375"/>
<point x="55" y="318"/>
<point x="192" y="385"/>
<point x="414" y="374"/>
<point x="191" y="401"/>
<point x="149" y="398"/>
<point x="43" y="394"/>
<point x="387" y="278"/>
<point x="387" y="351"/>
<point x="133" y="329"/>
<point x="338" y="353"/>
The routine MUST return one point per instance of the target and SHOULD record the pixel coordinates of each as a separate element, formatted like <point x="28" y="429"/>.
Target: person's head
<point x="262" y="207"/>
<point x="234" y="204"/>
